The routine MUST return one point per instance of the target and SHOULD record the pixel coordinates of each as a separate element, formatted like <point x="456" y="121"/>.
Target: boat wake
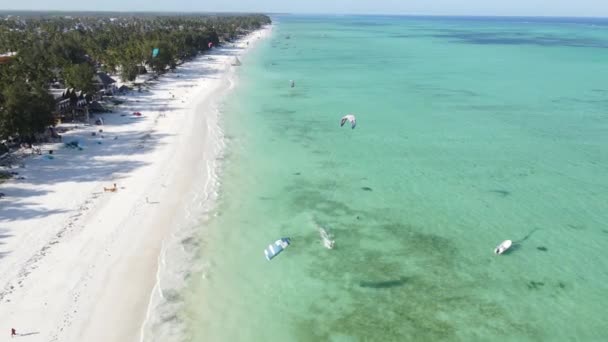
<point x="327" y="239"/>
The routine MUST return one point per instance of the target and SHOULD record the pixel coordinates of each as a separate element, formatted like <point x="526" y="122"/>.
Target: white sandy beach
<point x="78" y="263"/>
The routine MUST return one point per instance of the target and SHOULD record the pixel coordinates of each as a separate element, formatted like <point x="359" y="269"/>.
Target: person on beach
<point x="112" y="189"/>
<point x="13" y="332"/>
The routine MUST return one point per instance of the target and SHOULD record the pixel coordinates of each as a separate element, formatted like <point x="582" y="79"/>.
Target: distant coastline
<point x="551" y="18"/>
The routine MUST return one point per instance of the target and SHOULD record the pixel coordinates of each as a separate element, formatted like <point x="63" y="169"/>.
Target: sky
<point x="570" y="8"/>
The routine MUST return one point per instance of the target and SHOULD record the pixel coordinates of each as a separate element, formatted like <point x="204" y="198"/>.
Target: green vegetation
<point x="79" y="76"/>
<point x="26" y="109"/>
<point x="71" y="49"/>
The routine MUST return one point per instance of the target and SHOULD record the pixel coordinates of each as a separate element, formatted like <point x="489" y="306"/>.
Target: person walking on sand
<point x="13" y="332"/>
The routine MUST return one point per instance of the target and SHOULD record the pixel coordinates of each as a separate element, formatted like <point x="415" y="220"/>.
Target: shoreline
<point x="80" y="263"/>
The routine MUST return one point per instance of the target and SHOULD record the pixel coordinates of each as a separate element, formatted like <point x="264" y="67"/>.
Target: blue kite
<point x="275" y="248"/>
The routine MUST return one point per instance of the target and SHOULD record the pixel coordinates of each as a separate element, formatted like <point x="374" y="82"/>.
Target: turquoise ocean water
<point x="470" y="131"/>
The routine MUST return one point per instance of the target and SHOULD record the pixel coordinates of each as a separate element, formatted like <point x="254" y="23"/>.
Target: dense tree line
<point x="72" y="48"/>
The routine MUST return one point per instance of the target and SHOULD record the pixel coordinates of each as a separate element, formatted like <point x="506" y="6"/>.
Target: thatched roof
<point x="103" y="79"/>
<point x="97" y="107"/>
<point x="123" y="89"/>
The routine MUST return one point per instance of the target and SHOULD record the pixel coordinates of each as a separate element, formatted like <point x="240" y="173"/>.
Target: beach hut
<point x="141" y="70"/>
<point x="96" y="107"/>
<point x="63" y="105"/>
<point x="103" y="82"/>
<point x="123" y="89"/>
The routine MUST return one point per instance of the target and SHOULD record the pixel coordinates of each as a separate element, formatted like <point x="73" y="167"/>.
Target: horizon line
<point x="2" y="11"/>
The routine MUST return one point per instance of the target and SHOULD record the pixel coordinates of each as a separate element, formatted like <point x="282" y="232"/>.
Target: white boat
<point x="505" y="245"/>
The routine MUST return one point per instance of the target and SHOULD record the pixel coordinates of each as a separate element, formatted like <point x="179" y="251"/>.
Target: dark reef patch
<point x="576" y="226"/>
<point x="390" y="278"/>
<point x="414" y="279"/>
<point x="519" y="38"/>
<point x="535" y="285"/>
<point x="385" y="284"/>
<point x="503" y="193"/>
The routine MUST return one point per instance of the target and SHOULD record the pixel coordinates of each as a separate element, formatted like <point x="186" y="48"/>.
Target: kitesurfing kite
<point x="277" y="247"/>
<point x="351" y="118"/>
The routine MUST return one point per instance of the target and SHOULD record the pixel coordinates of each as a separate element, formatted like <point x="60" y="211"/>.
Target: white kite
<point x="349" y="117"/>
